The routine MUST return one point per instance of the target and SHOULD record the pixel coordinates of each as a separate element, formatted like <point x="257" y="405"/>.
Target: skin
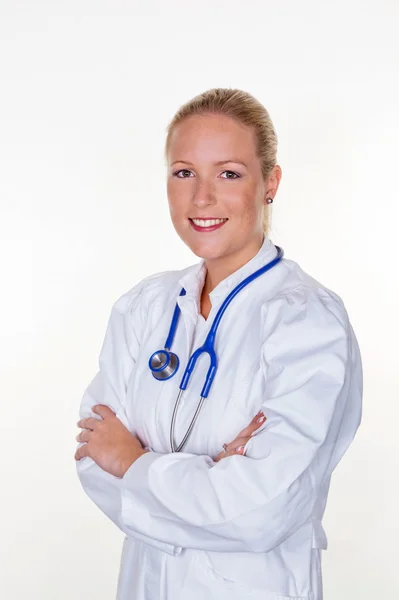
<point x="237" y="446"/>
<point x="199" y="187"/>
<point x="108" y="442"/>
<point x="115" y="449"/>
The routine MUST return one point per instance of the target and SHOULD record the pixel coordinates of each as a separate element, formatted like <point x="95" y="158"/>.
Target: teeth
<point x="209" y="223"/>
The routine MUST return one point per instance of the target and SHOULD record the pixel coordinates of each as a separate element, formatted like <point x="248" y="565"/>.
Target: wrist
<point x="132" y="459"/>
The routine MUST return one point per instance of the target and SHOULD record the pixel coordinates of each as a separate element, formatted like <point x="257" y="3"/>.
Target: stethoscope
<point x="164" y="363"/>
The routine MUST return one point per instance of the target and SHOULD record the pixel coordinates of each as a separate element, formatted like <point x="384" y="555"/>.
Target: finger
<point x="243" y="437"/>
<point x="103" y="411"/>
<point x="219" y="456"/>
<point x="246" y="433"/>
<point x="84" y="436"/>
<point x="88" y="423"/>
<point x="81" y="452"/>
<point x="256" y="422"/>
<point x="240" y="441"/>
<point x="238" y="449"/>
<point x="234" y="452"/>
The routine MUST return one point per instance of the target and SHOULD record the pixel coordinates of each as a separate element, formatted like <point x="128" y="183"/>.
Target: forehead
<point x="212" y="137"/>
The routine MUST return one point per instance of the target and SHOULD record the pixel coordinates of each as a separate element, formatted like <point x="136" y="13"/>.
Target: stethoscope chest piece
<point x="163" y="364"/>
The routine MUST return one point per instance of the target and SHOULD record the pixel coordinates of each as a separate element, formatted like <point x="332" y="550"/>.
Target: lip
<point x="207" y="229"/>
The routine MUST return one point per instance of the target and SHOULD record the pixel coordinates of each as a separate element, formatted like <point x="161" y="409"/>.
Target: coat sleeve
<point x="312" y="401"/>
<point x="116" y="362"/>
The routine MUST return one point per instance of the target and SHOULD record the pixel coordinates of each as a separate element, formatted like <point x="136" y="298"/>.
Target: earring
<point x="269" y="200"/>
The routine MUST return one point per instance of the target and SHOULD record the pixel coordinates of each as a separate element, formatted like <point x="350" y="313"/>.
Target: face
<point x="214" y="173"/>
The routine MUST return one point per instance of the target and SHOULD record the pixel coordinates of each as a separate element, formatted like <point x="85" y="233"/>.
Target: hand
<point x="108" y="442"/>
<point x="237" y="445"/>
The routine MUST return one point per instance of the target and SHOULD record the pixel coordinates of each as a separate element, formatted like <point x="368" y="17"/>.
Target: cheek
<point x="178" y="211"/>
<point x="177" y="197"/>
<point x="244" y="204"/>
<point x="174" y="200"/>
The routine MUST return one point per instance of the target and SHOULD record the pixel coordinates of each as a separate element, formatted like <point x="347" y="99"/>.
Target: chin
<point x="207" y="251"/>
<point x="201" y="246"/>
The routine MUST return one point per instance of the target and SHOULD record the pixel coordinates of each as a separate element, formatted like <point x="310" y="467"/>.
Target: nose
<point x="204" y="194"/>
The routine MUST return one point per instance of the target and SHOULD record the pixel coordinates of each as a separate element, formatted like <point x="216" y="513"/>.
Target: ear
<point x="272" y="183"/>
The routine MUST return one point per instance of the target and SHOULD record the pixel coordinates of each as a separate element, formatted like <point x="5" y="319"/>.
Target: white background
<point x="87" y="90"/>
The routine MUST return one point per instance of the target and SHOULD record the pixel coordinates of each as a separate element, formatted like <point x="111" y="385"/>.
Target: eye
<point x="236" y="175"/>
<point x="176" y="173"/>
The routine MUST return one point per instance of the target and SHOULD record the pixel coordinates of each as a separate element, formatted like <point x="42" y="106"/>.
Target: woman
<point x="236" y="514"/>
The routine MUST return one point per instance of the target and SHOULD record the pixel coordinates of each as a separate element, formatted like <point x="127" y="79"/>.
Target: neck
<point x="220" y="268"/>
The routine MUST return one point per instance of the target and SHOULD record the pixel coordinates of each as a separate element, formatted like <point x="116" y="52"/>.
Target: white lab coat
<point x="247" y="526"/>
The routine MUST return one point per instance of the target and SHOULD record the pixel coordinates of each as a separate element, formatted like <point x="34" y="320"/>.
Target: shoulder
<point x="150" y="290"/>
<point x="306" y="334"/>
<point x="298" y="297"/>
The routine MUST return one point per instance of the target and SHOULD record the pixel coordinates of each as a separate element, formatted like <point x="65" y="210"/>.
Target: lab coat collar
<point x="193" y="281"/>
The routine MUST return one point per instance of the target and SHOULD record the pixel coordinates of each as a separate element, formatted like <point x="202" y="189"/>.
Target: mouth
<point x="208" y="224"/>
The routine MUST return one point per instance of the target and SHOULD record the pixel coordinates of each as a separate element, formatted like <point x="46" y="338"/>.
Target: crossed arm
<point x="312" y="370"/>
<point x="114" y="448"/>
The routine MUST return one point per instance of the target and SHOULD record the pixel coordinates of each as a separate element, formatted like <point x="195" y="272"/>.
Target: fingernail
<point x="261" y="419"/>
<point x="240" y="450"/>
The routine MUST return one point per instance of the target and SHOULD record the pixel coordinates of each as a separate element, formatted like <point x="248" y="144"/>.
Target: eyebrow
<point x="219" y="163"/>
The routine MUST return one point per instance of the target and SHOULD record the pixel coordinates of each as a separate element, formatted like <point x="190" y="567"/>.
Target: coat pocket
<point x="219" y="586"/>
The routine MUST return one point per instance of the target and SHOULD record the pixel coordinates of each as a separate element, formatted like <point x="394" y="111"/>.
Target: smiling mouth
<point x="208" y="222"/>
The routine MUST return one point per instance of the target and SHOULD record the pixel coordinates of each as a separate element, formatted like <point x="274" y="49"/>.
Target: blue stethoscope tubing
<point x="164" y="364"/>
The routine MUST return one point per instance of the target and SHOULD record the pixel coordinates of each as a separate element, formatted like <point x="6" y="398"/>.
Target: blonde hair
<point x="243" y="107"/>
